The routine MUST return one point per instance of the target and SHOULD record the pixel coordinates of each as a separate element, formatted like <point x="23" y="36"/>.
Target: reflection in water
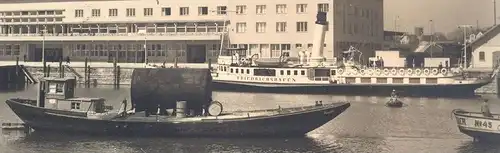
<point x="483" y="147"/>
<point x="424" y="125"/>
<point x="37" y="142"/>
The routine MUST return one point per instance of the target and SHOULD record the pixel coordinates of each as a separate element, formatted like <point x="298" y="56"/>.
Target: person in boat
<point x="124" y="103"/>
<point x="485" y="109"/>
<point x="394" y="96"/>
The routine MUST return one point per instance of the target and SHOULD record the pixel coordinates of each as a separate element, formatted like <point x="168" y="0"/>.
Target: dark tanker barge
<point x="162" y="106"/>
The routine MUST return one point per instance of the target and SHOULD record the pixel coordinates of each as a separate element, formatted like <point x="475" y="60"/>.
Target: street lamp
<point x="464" y="28"/>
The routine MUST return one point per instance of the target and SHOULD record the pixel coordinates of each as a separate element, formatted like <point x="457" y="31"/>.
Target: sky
<point x="445" y="14"/>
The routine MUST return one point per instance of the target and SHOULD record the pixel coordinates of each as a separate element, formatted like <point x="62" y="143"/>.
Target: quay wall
<point x="100" y="73"/>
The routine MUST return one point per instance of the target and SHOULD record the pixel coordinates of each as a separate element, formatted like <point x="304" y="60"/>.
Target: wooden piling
<point x="48" y="70"/>
<point x="175" y="62"/>
<point x="115" y="71"/>
<point x="118" y="73"/>
<point x="85" y="69"/>
<point x="61" y="69"/>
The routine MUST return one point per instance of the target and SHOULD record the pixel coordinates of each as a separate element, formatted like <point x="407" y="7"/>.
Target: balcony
<point x="113" y="36"/>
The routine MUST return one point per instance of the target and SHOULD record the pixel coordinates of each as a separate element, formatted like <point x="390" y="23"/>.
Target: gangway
<point x="28" y="75"/>
<point x="73" y="71"/>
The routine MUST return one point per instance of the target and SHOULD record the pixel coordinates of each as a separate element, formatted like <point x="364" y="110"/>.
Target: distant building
<point x="190" y="30"/>
<point x="486" y="49"/>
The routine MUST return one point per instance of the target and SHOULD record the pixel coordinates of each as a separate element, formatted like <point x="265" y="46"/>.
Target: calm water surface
<point x="425" y="126"/>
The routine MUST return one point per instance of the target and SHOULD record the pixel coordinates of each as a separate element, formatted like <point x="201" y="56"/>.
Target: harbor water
<point x="425" y="125"/>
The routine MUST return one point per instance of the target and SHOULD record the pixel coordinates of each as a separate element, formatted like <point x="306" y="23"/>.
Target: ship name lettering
<point x="267" y="79"/>
<point x="482" y="124"/>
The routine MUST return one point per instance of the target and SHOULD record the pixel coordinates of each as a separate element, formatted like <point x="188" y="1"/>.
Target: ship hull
<point x="456" y="90"/>
<point x="478" y="126"/>
<point x="285" y="125"/>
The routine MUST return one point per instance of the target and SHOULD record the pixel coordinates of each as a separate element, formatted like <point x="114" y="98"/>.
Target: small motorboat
<point x="478" y="126"/>
<point x="394" y="102"/>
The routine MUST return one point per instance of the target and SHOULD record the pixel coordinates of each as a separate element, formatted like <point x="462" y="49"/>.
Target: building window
<point x="241" y="9"/>
<point x="130" y="11"/>
<point x="75" y="105"/>
<point x="148" y="11"/>
<point x="166" y="11"/>
<point x="96" y="12"/>
<point x="281" y="9"/>
<point x="184" y="11"/>
<point x="260" y="9"/>
<point x="323" y="7"/>
<point x="301" y="26"/>
<point x="260" y="27"/>
<point x="113" y="12"/>
<point x="221" y="10"/>
<point x="203" y="10"/>
<point x="280" y="26"/>
<point x="301" y="8"/>
<point x="78" y="13"/>
<point x="241" y="27"/>
<point x="482" y="56"/>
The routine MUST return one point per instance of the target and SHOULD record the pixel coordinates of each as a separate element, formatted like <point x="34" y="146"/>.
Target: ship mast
<point x="464" y="28"/>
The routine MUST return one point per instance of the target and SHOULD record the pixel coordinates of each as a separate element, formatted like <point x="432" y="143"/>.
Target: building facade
<point x="485" y="50"/>
<point x="189" y="30"/>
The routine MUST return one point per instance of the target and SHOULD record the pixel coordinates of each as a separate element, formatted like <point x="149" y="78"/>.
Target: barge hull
<point x="286" y="125"/>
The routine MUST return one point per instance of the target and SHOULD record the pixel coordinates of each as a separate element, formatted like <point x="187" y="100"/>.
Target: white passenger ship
<point x="311" y="73"/>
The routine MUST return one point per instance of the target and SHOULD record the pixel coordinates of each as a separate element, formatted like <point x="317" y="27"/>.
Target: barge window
<point x="248" y="71"/>
<point x="59" y="88"/>
<point x="264" y="72"/>
<point x="287" y="72"/>
<point x="231" y="70"/>
<point x="242" y="71"/>
<point x="295" y="72"/>
<point x="302" y="72"/>
<point x="75" y="105"/>
<point x="282" y="72"/>
<point x="237" y="70"/>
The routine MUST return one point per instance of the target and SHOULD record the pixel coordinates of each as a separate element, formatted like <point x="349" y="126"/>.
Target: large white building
<point x="189" y="29"/>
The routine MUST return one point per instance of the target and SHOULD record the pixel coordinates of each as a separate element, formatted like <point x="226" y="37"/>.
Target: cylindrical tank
<point x="180" y="111"/>
<point x="165" y="86"/>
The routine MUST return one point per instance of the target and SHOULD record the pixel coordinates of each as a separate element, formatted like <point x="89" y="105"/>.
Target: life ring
<point x="394" y="71"/>
<point x="427" y="71"/>
<point x="435" y="71"/>
<point x="386" y="71"/>
<point x="444" y="71"/>
<point x="402" y="71"/>
<point x="418" y="71"/>
<point x="370" y="71"/>
<point x="410" y="71"/>
<point x="378" y="71"/>
<point x="362" y="71"/>
<point x="340" y="71"/>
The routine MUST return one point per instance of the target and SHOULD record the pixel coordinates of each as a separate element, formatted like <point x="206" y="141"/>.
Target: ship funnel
<point x="319" y="39"/>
